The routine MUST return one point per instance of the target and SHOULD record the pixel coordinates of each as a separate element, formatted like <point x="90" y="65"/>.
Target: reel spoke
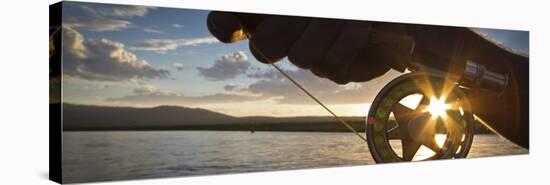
<point x="424" y="102"/>
<point x="410" y="148"/>
<point x="402" y="114"/>
<point x="394" y="133"/>
<point x="432" y="145"/>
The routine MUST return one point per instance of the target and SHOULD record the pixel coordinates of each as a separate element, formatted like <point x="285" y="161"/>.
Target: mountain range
<point x="104" y="118"/>
<point x="88" y="117"/>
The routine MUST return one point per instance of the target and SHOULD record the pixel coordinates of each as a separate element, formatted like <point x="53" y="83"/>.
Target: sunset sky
<point x="143" y="57"/>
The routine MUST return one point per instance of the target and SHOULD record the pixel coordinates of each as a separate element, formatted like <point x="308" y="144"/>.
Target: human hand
<point x="330" y="48"/>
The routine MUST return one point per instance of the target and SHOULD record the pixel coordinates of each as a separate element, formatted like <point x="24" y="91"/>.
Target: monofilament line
<point x="347" y="125"/>
<point x="320" y="103"/>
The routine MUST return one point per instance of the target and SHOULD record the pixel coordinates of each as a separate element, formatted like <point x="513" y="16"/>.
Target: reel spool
<point x="420" y="110"/>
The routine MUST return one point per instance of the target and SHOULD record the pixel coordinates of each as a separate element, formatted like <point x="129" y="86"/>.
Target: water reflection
<point x="96" y="156"/>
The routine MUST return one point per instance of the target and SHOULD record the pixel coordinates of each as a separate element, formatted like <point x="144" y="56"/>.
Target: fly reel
<point x="420" y="116"/>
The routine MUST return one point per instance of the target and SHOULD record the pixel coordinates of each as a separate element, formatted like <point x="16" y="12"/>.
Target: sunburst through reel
<point x="419" y="116"/>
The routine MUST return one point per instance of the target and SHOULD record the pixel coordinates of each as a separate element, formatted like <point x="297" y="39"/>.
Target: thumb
<point x="225" y="26"/>
<point x="232" y="27"/>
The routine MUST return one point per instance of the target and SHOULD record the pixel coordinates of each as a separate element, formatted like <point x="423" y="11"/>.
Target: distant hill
<point x="86" y="117"/>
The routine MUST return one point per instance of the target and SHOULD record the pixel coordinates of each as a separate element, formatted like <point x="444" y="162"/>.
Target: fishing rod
<point x="443" y="85"/>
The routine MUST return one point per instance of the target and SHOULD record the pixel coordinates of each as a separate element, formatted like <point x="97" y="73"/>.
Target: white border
<point x="24" y="71"/>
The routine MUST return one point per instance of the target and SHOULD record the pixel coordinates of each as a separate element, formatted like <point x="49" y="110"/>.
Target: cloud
<point x="110" y="10"/>
<point x="177" y="25"/>
<point x="151" y="30"/>
<point x="103" y="60"/>
<point x="179" y="66"/>
<point x="103" y="86"/>
<point x="145" y="89"/>
<point x="270" y="87"/>
<point x="272" y="84"/>
<point x="228" y="67"/>
<point x="95" y="23"/>
<point x="242" y="91"/>
<point x="499" y="42"/>
<point x="150" y="96"/>
<point x="163" y="45"/>
<point x="106" y="17"/>
<point x="230" y="87"/>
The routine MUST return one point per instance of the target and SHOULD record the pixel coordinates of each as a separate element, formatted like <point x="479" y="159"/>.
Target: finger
<point x="345" y="50"/>
<point x="316" y="70"/>
<point x="225" y="26"/>
<point x="309" y="50"/>
<point x="249" y="22"/>
<point x="274" y="36"/>
<point x="366" y="67"/>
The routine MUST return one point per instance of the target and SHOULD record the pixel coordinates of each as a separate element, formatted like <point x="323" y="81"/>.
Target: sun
<point x="438" y="107"/>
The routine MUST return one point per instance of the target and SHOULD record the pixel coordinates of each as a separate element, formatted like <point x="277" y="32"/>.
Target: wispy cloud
<point x="177" y="25"/>
<point x="95" y="23"/>
<point x="179" y="66"/>
<point x="499" y="42"/>
<point x="145" y="89"/>
<point x="275" y="90"/>
<point x="163" y="45"/>
<point x="148" y="95"/>
<point x="151" y="30"/>
<point x="110" y="10"/>
<point x="272" y="84"/>
<point x="106" y="17"/>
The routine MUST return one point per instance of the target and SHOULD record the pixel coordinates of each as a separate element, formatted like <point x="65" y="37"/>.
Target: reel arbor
<point x="420" y="110"/>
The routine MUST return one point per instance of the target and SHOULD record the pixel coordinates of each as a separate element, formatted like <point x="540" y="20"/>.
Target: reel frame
<point x="459" y="139"/>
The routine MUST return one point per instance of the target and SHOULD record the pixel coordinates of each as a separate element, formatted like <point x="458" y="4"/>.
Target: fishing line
<point x="338" y="118"/>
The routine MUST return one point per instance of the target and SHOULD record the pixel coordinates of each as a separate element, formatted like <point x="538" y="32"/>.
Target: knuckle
<point x="340" y="81"/>
<point x="297" y="57"/>
<point x="317" y="71"/>
<point x="256" y="50"/>
<point x="339" y="75"/>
